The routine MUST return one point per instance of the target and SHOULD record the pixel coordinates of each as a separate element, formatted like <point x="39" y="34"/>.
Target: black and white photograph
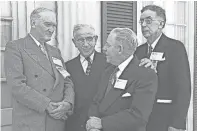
<point x="98" y="65"/>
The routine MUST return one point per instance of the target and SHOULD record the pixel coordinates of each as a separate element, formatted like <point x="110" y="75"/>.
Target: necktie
<point x="112" y="80"/>
<point x="150" y="49"/>
<point x="89" y="66"/>
<point x="43" y="50"/>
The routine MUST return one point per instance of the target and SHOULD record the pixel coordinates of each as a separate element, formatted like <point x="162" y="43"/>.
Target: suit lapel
<point x="160" y="45"/>
<point x="114" y="93"/>
<point x="57" y="74"/>
<point x="37" y="55"/>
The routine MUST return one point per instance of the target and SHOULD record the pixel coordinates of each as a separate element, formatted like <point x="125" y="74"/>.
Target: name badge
<point x="62" y="71"/>
<point x="120" y="84"/>
<point x="157" y="56"/>
<point x="57" y="61"/>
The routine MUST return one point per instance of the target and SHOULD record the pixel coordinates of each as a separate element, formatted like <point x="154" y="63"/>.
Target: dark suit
<point x="174" y="84"/>
<point x="35" y="82"/>
<point x="126" y="113"/>
<point x="85" y="88"/>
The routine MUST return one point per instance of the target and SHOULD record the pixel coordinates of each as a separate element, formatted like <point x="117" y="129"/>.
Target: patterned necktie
<point x="43" y="50"/>
<point x="112" y="80"/>
<point x="89" y="66"/>
<point x="150" y="49"/>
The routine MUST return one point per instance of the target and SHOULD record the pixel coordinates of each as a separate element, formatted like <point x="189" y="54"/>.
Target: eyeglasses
<point x="88" y="39"/>
<point x="147" y="21"/>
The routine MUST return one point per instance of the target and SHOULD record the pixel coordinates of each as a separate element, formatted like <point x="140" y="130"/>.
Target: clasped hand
<point x="59" y="110"/>
<point x="93" y="124"/>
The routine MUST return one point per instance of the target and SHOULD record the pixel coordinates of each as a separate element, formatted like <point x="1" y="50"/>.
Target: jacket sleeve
<point x="180" y="75"/>
<point x="69" y="95"/>
<point x="141" y="106"/>
<point x="23" y="93"/>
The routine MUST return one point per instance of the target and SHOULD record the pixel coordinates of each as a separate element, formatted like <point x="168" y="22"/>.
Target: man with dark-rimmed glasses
<point x="169" y="59"/>
<point x="85" y="72"/>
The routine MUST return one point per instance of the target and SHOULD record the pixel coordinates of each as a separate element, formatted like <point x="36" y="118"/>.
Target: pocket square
<point x="126" y="94"/>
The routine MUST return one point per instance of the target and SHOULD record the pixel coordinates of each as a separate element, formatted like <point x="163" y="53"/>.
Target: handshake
<point x="93" y="124"/>
<point x="59" y="110"/>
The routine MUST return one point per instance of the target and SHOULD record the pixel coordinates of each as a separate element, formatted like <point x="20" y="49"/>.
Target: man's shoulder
<point x="19" y="43"/>
<point x="71" y="62"/>
<point x="142" y="72"/>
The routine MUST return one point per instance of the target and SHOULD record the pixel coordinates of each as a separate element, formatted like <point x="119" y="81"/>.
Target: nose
<point x="104" y="49"/>
<point x="85" y="43"/>
<point x="143" y="23"/>
<point x="52" y="28"/>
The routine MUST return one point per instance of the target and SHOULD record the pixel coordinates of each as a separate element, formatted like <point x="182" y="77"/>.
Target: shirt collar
<point x="82" y="58"/>
<point x="37" y="42"/>
<point x="155" y="42"/>
<point x="123" y="65"/>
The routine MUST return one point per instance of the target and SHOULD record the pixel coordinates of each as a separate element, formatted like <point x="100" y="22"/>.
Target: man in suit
<point x="169" y="59"/>
<point x="85" y="72"/>
<point x="42" y="92"/>
<point x="126" y="91"/>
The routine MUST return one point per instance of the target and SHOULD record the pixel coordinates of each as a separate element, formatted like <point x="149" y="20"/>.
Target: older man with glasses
<point x="85" y="72"/>
<point x="169" y="59"/>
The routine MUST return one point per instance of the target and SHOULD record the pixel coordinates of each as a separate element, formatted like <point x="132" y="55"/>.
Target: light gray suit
<point x="35" y="82"/>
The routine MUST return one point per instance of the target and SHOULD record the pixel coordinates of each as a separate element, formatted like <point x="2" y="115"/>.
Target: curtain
<point x="71" y="13"/>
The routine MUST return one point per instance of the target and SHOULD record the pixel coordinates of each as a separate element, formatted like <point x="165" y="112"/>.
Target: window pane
<point x="2" y="65"/>
<point x="5" y="8"/>
<point x="6" y="32"/>
<point x="169" y="31"/>
<point x="181" y="12"/>
<point x="180" y="33"/>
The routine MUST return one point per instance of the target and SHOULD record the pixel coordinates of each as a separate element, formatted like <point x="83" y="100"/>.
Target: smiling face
<point x="151" y="24"/>
<point x="85" y="41"/>
<point x="45" y="26"/>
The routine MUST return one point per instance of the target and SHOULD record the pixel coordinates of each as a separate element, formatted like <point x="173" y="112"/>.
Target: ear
<point x="96" y="38"/>
<point x="161" y="24"/>
<point x="73" y="40"/>
<point x="120" y="49"/>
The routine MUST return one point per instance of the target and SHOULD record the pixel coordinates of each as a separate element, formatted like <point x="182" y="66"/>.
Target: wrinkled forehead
<point x="84" y="32"/>
<point x="48" y="16"/>
<point x="148" y="14"/>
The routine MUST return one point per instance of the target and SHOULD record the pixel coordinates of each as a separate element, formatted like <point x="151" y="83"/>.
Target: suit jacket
<point x="126" y="113"/>
<point x="174" y="84"/>
<point x="34" y="82"/>
<point x="85" y="88"/>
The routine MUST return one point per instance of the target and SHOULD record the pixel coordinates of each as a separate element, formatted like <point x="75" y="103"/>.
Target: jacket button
<point x="44" y="90"/>
<point x="36" y="76"/>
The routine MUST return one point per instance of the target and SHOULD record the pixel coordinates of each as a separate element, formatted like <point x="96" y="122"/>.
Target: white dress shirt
<point x="84" y="62"/>
<point x="155" y="42"/>
<point x="123" y="65"/>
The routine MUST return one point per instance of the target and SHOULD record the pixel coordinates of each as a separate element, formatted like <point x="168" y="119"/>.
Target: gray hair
<point x="80" y="26"/>
<point x="127" y="36"/>
<point x="35" y="13"/>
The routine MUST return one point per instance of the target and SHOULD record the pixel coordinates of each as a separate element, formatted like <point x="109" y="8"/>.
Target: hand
<point x="146" y="63"/>
<point x="51" y="107"/>
<point x="93" y="129"/>
<point x="61" y="110"/>
<point x="174" y="129"/>
<point x="93" y="123"/>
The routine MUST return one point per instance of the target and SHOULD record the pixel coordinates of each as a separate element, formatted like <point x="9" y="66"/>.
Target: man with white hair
<point x="85" y="72"/>
<point x="41" y="90"/>
<point x="126" y="91"/>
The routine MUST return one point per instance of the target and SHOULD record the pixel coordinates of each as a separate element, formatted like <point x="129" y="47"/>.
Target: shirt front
<point x="84" y="62"/>
<point x="155" y="42"/>
<point x="123" y="65"/>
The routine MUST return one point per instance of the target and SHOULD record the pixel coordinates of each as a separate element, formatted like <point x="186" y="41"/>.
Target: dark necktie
<point x="89" y="66"/>
<point x="150" y="49"/>
<point x="112" y="80"/>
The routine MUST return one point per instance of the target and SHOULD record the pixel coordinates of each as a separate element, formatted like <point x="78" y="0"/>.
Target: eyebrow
<point x="147" y="17"/>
